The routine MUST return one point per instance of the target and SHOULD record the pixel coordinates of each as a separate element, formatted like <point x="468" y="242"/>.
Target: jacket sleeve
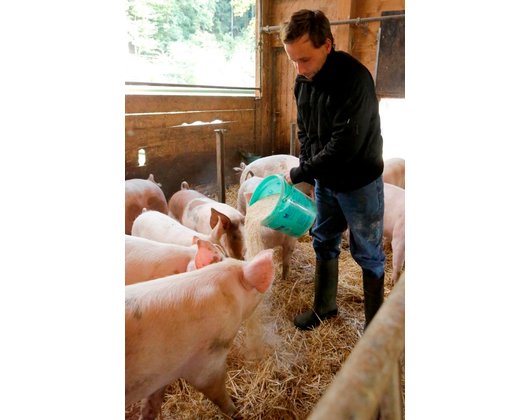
<point x="305" y="144"/>
<point x="350" y="125"/>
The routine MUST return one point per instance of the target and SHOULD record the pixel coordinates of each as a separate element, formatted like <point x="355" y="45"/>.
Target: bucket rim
<point x="284" y="191"/>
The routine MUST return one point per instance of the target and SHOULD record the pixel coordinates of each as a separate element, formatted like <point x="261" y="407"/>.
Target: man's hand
<point x="287" y="176"/>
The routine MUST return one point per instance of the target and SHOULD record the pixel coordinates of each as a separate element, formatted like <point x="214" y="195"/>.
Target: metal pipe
<point x="188" y="86"/>
<point x="357" y="389"/>
<point x="271" y="29"/>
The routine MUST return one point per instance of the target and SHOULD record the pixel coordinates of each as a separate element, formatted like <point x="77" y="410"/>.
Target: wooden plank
<point x="188" y="136"/>
<point x="135" y="104"/>
<point x="141" y="121"/>
<point x="266" y="77"/>
<point x="344" y="33"/>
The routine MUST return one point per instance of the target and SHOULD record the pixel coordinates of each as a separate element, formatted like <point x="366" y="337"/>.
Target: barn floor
<point x="295" y="367"/>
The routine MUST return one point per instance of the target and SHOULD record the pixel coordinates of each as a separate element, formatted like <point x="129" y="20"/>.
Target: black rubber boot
<point x="373" y="295"/>
<point x="325" y="304"/>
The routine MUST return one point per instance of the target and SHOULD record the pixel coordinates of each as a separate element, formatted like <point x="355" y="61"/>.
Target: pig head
<point x="183" y="326"/>
<point x="147" y="260"/>
<point x="202" y="214"/>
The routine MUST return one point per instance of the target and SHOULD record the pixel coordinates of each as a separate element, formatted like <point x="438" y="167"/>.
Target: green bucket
<point x="294" y="213"/>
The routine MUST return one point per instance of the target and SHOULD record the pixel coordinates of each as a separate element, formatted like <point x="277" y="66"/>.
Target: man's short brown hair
<point x="311" y="22"/>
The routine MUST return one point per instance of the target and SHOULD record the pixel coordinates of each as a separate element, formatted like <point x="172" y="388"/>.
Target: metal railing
<point x="357" y="21"/>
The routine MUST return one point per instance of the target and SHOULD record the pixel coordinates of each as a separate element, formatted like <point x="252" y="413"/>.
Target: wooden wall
<point x="258" y="125"/>
<point x="174" y="152"/>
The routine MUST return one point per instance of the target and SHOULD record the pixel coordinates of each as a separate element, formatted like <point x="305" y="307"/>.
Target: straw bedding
<point x="285" y="375"/>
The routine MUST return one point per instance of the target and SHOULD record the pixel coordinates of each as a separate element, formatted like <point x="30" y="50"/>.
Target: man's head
<point x="308" y="40"/>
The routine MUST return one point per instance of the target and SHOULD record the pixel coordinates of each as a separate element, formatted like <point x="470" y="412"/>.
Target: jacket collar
<point x="324" y="73"/>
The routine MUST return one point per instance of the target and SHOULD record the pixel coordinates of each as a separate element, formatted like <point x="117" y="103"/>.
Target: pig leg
<point x="215" y="390"/>
<point x="287" y="252"/>
<point x="398" y="258"/>
<point x="151" y="405"/>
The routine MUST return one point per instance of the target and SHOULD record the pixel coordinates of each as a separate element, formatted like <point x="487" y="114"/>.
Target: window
<point x="195" y="42"/>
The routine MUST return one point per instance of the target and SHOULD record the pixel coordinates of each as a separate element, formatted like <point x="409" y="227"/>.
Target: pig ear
<point x="248" y="196"/>
<point x="219" y="217"/>
<point x="249" y="173"/>
<point x="221" y="250"/>
<point x="259" y="272"/>
<point x="194" y="240"/>
<point x="217" y="232"/>
<point x="206" y="254"/>
<point x="151" y="178"/>
<point x="144" y="210"/>
<point x="184" y="186"/>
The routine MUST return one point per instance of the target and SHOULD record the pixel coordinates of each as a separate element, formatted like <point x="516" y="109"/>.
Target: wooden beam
<point x="344" y="33"/>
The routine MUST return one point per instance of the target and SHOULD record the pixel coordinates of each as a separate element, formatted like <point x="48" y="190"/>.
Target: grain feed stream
<point x="260" y="328"/>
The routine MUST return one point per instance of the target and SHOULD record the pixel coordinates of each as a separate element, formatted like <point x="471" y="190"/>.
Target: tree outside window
<point x="196" y="42"/>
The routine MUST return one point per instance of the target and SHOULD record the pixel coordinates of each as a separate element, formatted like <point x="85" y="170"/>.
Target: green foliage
<point x="170" y="33"/>
<point x="166" y="21"/>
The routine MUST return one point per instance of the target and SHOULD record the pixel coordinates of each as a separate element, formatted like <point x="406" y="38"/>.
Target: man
<point x="341" y="154"/>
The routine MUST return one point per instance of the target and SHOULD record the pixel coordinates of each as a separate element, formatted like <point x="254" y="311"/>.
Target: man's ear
<point x="328" y="45"/>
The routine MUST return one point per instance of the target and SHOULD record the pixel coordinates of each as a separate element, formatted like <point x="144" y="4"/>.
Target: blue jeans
<point x="361" y="210"/>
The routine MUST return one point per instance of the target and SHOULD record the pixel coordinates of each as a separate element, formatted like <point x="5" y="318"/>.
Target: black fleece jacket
<point x="339" y="126"/>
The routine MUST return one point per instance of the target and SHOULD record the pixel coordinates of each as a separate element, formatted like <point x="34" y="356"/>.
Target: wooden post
<point x="391" y="407"/>
<point x="292" y="147"/>
<point x="220" y="147"/>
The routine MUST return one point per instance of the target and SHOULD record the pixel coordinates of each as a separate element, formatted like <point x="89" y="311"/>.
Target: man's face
<point x="307" y="59"/>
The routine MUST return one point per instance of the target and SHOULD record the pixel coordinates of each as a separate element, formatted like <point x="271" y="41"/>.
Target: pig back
<point x="140" y="194"/>
<point x="275" y="164"/>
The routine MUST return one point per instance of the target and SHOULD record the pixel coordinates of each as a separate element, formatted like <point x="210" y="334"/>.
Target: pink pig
<point x="200" y="213"/>
<point x="148" y="260"/>
<point x="139" y="194"/>
<point x="161" y="228"/>
<point x="183" y="326"/>
<point x="394" y="227"/>
<point x="270" y="165"/>
<point x="394" y="172"/>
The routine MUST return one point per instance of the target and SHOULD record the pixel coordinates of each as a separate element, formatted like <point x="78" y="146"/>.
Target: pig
<point x="271" y="238"/>
<point x="183" y="326"/>
<point x="139" y="194"/>
<point x="202" y="214"/>
<point x="394" y="227"/>
<point x="148" y="260"/>
<point x="249" y="186"/>
<point x="162" y="228"/>
<point x="394" y="172"/>
<point x="270" y="165"/>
